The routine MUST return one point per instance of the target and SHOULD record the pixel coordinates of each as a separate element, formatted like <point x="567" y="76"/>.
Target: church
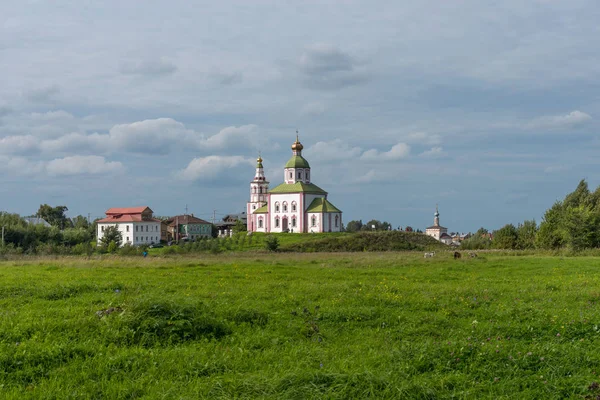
<point x="437" y="231"/>
<point x="297" y="205"/>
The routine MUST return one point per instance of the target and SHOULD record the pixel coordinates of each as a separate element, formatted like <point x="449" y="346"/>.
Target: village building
<point x="437" y="231"/>
<point x="226" y="226"/>
<point x="187" y="227"/>
<point x="297" y="205"/>
<point x="136" y="224"/>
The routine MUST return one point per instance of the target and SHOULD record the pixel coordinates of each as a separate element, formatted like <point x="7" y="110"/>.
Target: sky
<point x="490" y="109"/>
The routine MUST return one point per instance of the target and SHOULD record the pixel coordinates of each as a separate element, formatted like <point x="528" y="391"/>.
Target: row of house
<point x="139" y="227"/>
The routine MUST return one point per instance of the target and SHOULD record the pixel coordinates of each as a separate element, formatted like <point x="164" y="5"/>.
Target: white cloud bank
<point x="397" y="152"/>
<point x="211" y="167"/>
<point x="67" y="166"/>
<point x="571" y="120"/>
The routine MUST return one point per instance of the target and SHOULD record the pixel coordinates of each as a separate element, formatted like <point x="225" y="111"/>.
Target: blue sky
<point x="488" y="108"/>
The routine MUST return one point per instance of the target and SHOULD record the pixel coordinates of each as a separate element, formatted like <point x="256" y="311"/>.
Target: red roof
<point x="126" y="218"/>
<point x="127" y="210"/>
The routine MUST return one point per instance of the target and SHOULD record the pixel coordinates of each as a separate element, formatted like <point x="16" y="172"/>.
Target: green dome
<point x="297" y="162"/>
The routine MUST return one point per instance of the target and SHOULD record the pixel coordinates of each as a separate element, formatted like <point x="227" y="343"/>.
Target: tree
<point x="409" y="229"/>
<point x="240" y="226"/>
<point x="354" y="226"/>
<point x="111" y="234"/>
<point x="55" y="216"/>
<point x="526" y="234"/>
<point x="505" y="237"/>
<point x="552" y="234"/>
<point x="80" y="222"/>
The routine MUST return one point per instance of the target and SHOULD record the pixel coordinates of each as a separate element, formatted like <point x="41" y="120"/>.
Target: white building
<point x="135" y="224"/>
<point x="297" y="205"/>
<point x="437" y="231"/>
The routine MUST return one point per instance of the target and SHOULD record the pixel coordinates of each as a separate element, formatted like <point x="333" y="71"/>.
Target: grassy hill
<point x="311" y="242"/>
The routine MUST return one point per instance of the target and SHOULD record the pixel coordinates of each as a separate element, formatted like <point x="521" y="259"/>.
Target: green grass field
<point x="360" y="325"/>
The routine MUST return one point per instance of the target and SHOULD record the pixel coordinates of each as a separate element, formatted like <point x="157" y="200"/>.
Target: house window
<point x="284" y="207"/>
<point x="291" y="176"/>
<point x="299" y="174"/>
<point x="147" y="229"/>
<point x="102" y="229"/>
<point x="276" y="207"/>
<point x="128" y="238"/>
<point x="260" y="223"/>
<point x="127" y="229"/>
<point x="313" y="221"/>
<point x="337" y="221"/>
<point x="276" y="222"/>
<point x="136" y="228"/>
<point x="254" y="207"/>
<point x="294" y="222"/>
<point x="136" y="239"/>
<point x="294" y="206"/>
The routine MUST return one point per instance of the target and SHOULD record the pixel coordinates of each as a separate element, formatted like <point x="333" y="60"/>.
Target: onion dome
<point x="297" y="146"/>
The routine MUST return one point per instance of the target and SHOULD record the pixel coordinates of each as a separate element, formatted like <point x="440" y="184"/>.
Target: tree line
<point x="573" y="223"/>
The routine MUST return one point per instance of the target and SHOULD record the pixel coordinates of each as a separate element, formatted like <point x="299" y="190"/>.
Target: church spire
<point x="436" y="217"/>
<point x="297" y="146"/>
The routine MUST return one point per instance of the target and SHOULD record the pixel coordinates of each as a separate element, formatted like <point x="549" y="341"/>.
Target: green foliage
<point x="55" y="216"/>
<point x="506" y="237"/>
<point x="382" y="326"/>
<point x="379" y="226"/>
<point x="526" y="235"/>
<point x="111" y="235"/>
<point x="239" y="226"/>
<point x="354" y="226"/>
<point x="572" y="223"/>
<point x="271" y="243"/>
<point x="112" y="246"/>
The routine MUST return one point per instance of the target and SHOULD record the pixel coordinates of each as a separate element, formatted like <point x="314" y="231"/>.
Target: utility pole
<point x="3" y="236"/>
<point x="186" y="210"/>
<point x="213" y="217"/>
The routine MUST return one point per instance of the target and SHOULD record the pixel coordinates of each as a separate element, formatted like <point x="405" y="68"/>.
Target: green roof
<point x="298" y="187"/>
<point x="262" y="210"/>
<point x="297" y="162"/>
<point x="322" y="205"/>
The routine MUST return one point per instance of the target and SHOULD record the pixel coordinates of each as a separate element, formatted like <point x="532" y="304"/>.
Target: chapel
<point x="297" y="205"/>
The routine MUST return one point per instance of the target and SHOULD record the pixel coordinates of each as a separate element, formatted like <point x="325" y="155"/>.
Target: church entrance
<point x="284" y="224"/>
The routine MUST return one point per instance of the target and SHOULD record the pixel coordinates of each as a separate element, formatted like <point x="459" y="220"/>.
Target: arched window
<point x="277" y="207"/>
<point x="285" y="206"/>
<point x="291" y="175"/>
<point x="254" y="190"/>
<point x="337" y="221"/>
<point x="299" y="174"/>
<point x="293" y="206"/>
<point x="307" y="176"/>
<point x="313" y="221"/>
<point x="294" y="222"/>
<point x="277" y="222"/>
<point x="260" y="222"/>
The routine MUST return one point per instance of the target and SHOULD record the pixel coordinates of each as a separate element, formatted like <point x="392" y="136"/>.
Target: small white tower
<point x="258" y="189"/>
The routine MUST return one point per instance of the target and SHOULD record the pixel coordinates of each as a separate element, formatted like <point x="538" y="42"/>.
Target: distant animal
<point x="429" y="255"/>
<point x="473" y="255"/>
<point x="456" y="255"/>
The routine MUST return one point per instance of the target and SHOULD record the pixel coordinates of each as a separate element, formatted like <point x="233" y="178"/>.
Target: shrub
<point x="271" y="243"/>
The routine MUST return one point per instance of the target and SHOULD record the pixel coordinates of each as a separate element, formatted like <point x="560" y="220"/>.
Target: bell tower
<point x="258" y="189"/>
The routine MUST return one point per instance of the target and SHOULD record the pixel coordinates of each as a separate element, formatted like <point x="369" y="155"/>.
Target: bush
<point x="271" y="243"/>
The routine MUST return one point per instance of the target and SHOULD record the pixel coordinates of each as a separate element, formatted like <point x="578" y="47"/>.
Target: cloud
<point x="82" y="165"/>
<point x="434" y="152"/>
<point x="211" y="167"/>
<point x="43" y="94"/>
<point x="310" y="109"/>
<point x="572" y="120"/>
<point x="20" y="166"/>
<point x="423" y="138"/>
<point x="149" y="68"/>
<point x="153" y="136"/>
<point x="26" y="144"/>
<point x="228" y="78"/>
<point x="551" y="169"/>
<point x="332" y="151"/>
<point x="326" y="67"/>
<point x="397" y="152"/>
<point x="4" y="111"/>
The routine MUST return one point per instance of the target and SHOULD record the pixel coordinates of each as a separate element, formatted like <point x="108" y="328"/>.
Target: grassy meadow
<point x="300" y="326"/>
